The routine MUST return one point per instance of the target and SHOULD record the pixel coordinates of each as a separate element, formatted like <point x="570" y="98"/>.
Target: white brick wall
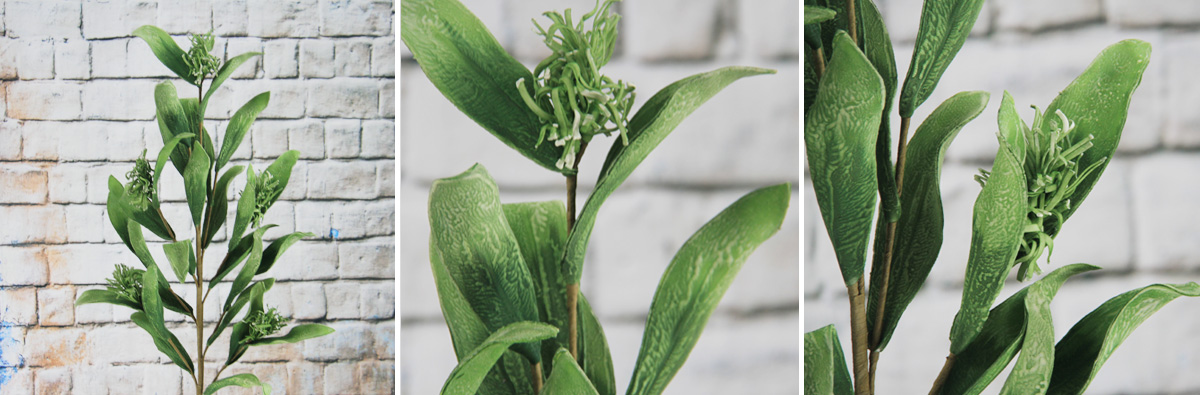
<point x="1138" y="224"/>
<point x="745" y="137"/>
<point x="76" y="94"/>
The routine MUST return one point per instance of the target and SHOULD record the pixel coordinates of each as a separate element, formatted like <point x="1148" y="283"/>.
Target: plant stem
<point x="819" y="68"/>
<point x="877" y="330"/>
<point x="943" y="375"/>
<point x="537" y="377"/>
<point x="573" y="289"/>
<point x="853" y="20"/>
<point x="858" y="337"/>
<point x="199" y="314"/>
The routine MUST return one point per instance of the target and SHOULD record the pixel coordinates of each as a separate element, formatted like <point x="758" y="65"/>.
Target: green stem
<point x="573" y="289"/>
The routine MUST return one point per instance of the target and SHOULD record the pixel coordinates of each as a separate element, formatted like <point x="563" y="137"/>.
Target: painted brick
<point x="56" y="306"/>
<point x="316" y="58"/>
<point x="109" y="58"/>
<point x="363" y="260"/>
<point x="182" y="16"/>
<point x="31" y="18"/>
<point x="23" y="266"/>
<point x="137" y="346"/>
<point x="53" y="381"/>
<point x="14" y="343"/>
<point x="1032" y="15"/>
<point x="238" y="46"/>
<point x="35" y="59"/>
<point x="342" y="301"/>
<point x="52" y="347"/>
<point x="116" y="18"/>
<point x="356" y="17"/>
<point x="428" y="357"/>
<point x="50" y="100"/>
<point x="378" y="139"/>
<point x="87" y="223"/>
<point x="280" y="59"/>
<point x="95" y="313"/>
<point x="1163" y="211"/>
<point x="315" y="217"/>
<point x="903" y="18"/>
<point x="292" y="18"/>
<point x="307" y="137"/>
<point x="141" y="62"/>
<point x="307" y="260"/>
<point x="270" y="138"/>
<point x="118" y="100"/>
<point x="513" y="27"/>
<point x="342" y="180"/>
<point x="20" y="308"/>
<point x="383" y="57"/>
<point x="387" y="99"/>
<point x="32" y="224"/>
<point x="377" y="377"/>
<point x="387" y="178"/>
<point x="71" y="59"/>
<point x="22" y="184"/>
<point x="230" y="18"/>
<point x="308" y="301"/>
<point x="769" y="28"/>
<point x="385" y="340"/>
<point x="357" y="220"/>
<point x="342" y="137"/>
<point x="341" y="377"/>
<point x="378" y="301"/>
<point x="304" y="378"/>
<point x="351" y="340"/>
<point x="344" y="98"/>
<point x="352" y="58"/>
<point x="86" y="263"/>
<point x="417" y="288"/>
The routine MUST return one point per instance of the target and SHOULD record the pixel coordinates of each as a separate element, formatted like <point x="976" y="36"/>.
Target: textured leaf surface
<point x="173" y="121"/>
<point x="215" y="217"/>
<point x="467" y="376"/>
<point x="244" y="380"/>
<point x="239" y="125"/>
<point x="944" y="27"/>
<point x="245" y="209"/>
<point x="593" y="350"/>
<point x="1085" y="348"/>
<point x="104" y="296"/>
<point x="1031" y="374"/>
<point x="839" y="135"/>
<point x="297" y="334"/>
<point x="998" y="222"/>
<point x="696" y="279"/>
<point x="466" y="63"/>
<point x="281" y="171"/>
<point x="1003" y="333"/>
<point x="814" y="14"/>
<point x="118" y="211"/>
<point x="540" y="229"/>
<point x="236" y="255"/>
<point x="919" y="231"/>
<point x="481" y="253"/>
<point x="254" y="291"/>
<point x="877" y="46"/>
<point x="825" y="369"/>
<point x="1098" y="102"/>
<point x="153" y="319"/>
<point x="652" y="123"/>
<point x="166" y="50"/>
<point x="568" y="378"/>
<point x="179" y="254"/>
<point x="195" y="183"/>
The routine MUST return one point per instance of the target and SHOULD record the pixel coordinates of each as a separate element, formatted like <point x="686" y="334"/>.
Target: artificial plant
<point x="508" y="275"/>
<point x="1040" y="177"/>
<point x="188" y="147"/>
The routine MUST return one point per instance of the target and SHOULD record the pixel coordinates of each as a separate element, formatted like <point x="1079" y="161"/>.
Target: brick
<point x="238" y="46"/>
<point x="383" y="57"/>
<point x="1183" y="127"/>
<point x="52" y="347"/>
<point x="136" y="345"/>
<point x="23" y="184"/>
<point x="385" y="340"/>
<point x="87" y="223"/>
<point x="35" y="59"/>
<point x="85" y="141"/>
<point x="357" y="220"/>
<point x="356" y="17"/>
<point x="30" y="18"/>
<point x="21" y="380"/>
<point x="116" y="18"/>
<point x="362" y="260"/>
<point x="377" y="377"/>
<point x="50" y="100"/>
<point x="288" y="99"/>
<point x="32" y="224"/>
<point x="342" y="180"/>
<point x="316" y="58"/>
<point x="1163" y="207"/>
<point x="86" y="263"/>
<point x="9" y="49"/>
<point x="109" y="58"/>
<point x="308" y="301"/>
<point x="341" y="377"/>
<point x="350" y="340"/>
<point x="297" y="183"/>
<point x="94" y="313"/>
<point x="20" y="306"/>
<point x="40" y="140"/>
<point x="307" y="261"/>
<point x="273" y="353"/>
<point x="308" y="137"/>
<point x="71" y="59"/>
<point x="280" y="59"/>
<point x="418" y="293"/>
<point x="1101" y="231"/>
<point x="10" y="138"/>
<point x="378" y="301"/>
<point x="314" y="217"/>
<point x="352" y="58"/>
<point x="693" y="26"/>
<point x="56" y="306"/>
<point x="126" y="143"/>
<point x="342" y="137"/>
<point x="342" y="301"/>
<point x="378" y="139"/>
<point x="230" y="18"/>
<point x="13" y="340"/>
<point x="165" y="378"/>
<point x="119" y="100"/>
<point x="53" y="381"/>
<point x="344" y="98"/>
<point x="270" y="138"/>
<point x="1029" y="15"/>
<point x="387" y="178"/>
<point x="304" y="378"/>
<point x="292" y="18"/>
<point x="1128" y="13"/>
<point x="141" y="62"/>
<point x="23" y="266"/>
<point x="387" y="99"/>
<point x="769" y="28"/>
<point x="183" y="17"/>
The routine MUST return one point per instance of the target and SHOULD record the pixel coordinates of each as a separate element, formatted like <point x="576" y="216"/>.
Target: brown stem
<point x="858" y="337"/>
<point x="943" y="375"/>
<point x="853" y="20"/>
<point x="877" y="330"/>
<point x="573" y="289"/>
<point x="901" y="152"/>
<point x="537" y="377"/>
<point x="199" y="314"/>
<point x="819" y="68"/>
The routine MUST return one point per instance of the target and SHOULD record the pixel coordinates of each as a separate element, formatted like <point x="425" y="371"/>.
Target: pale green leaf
<point x="471" y="370"/>
<point x="825" y="371"/>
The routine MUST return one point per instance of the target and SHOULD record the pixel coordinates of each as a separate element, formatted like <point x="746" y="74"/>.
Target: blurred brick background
<point x="1139" y="224"/>
<point x="744" y="138"/>
<point x="77" y="94"/>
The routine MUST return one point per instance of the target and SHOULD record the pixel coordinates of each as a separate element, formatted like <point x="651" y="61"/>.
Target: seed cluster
<point x="141" y="183"/>
<point x="264" y="323"/>
<point x="127" y="283"/>
<point x="571" y="98"/>
<point x="266" y="187"/>
<point x="201" y="64"/>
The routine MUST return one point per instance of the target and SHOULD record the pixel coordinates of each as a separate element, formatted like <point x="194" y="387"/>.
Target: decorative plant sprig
<point x="486" y="255"/>
<point x="1039" y="178"/>
<point x="189" y="147"/>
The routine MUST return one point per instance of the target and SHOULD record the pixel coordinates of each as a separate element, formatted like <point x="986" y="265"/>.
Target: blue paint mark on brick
<point x="9" y="360"/>
<point x="333" y="234"/>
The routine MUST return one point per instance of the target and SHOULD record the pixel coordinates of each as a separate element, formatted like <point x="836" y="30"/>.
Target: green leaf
<point x="195" y="121"/>
<point x="245" y="208"/>
<point x="166" y="50"/>
<point x="118" y="211"/>
<point x="236" y="254"/>
<point x="945" y="25"/>
<point x="179" y="254"/>
<point x="166" y="343"/>
<point x="568" y="377"/>
<point x="239" y="125"/>
<point x="298" y="334"/>
<point x="226" y="70"/>
<point x="1085" y="348"/>
<point x="1004" y="332"/>
<point x="218" y="205"/>
<point x="253" y="292"/>
<point x="696" y="279"/>
<point x="997" y="225"/>
<point x="195" y="182"/>
<point x="105" y="296"/>
<point x="839" y="133"/>
<point x="541" y="232"/>
<point x="814" y="14"/>
<point x="594" y="356"/>
<point x="244" y="380"/>
<point x="173" y="121"/>
<point x="237" y="339"/>
<point x="466" y="63"/>
<point x="248" y="270"/>
<point x="877" y="46"/>
<point x="825" y="369"/>
<point x="281" y="171"/>
<point x="652" y="123"/>
<point x="470" y="372"/>
<point x="166" y="153"/>
<point x="1098" y="102"/>
<point x="479" y="249"/>
<point x="276" y="249"/>
<point x="919" y="231"/>
<point x="152" y="320"/>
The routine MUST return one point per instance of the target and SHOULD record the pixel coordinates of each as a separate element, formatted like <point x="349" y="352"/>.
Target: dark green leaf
<point x="471" y="370"/>
<point x="236" y="254"/>
<point x="1085" y="348"/>
<point x="593" y="350"/>
<point x="153" y="319"/>
<point x="195" y="182"/>
<point x="814" y="14"/>
<point x="118" y="211"/>
<point x="173" y="121"/>
<point x="218" y="205"/>
<point x="298" y="334"/>
<point x="652" y="123"/>
<point x="568" y="377"/>
<point x="179" y="254"/>
<point x="254" y="291"/>
<point x="696" y="279"/>
<point x="244" y="380"/>
<point x="166" y="343"/>
<point x="226" y="70"/>
<point x="474" y="240"/>
<point x="839" y="135"/>
<point x="105" y="296"/>
<point x="239" y="125"/>
<point x="281" y="171"/>
<point x="245" y="209"/>
<point x="276" y="249"/>
<point x="466" y="63"/>
<point x="945" y="25"/>
<point x="166" y="50"/>
<point x="165" y="153"/>
<point x="248" y="270"/>
<point x="541" y="232"/>
<point x="825" y="369"/>
<point x="877" y="46"/>
<point x="195" y="121"/>
<point x="919" y="231"/>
